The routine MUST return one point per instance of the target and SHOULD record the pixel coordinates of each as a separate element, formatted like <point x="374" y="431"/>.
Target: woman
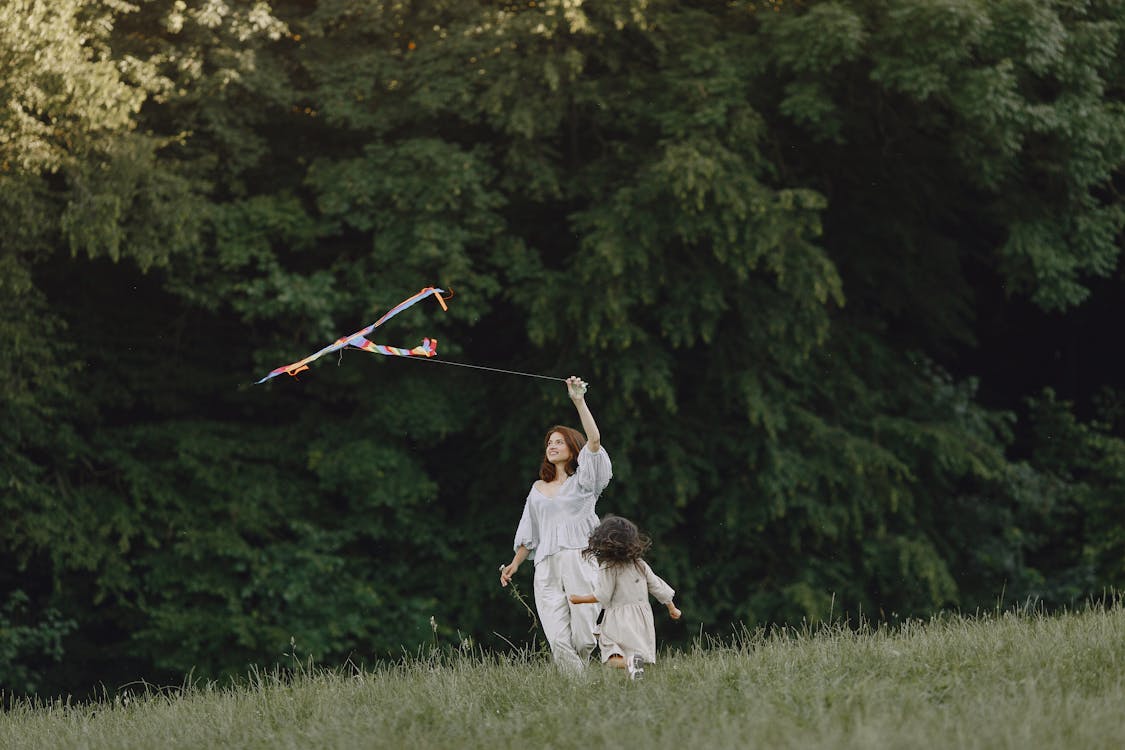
<point x="558" y="517"/>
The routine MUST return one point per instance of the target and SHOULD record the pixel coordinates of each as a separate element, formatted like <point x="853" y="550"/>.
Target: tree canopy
<point x="786" y="241"/>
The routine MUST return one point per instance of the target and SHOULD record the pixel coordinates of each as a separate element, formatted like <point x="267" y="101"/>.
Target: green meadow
<point x="1018" y="679"/>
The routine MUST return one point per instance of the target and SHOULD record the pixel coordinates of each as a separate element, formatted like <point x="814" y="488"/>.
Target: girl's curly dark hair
<point x="616" y="541"/>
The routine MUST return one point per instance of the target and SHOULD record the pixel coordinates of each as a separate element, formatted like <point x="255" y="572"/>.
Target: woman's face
<point x="557" y="452"/>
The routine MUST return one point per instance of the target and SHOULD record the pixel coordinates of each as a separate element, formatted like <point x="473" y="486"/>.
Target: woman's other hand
<point x="507" y="571"/>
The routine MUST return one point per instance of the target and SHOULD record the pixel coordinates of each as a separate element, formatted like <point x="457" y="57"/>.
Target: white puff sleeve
<point x="527" y="533"/>
<point x="594" y="470"/>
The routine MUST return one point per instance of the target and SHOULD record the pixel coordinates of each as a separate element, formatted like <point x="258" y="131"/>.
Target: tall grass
<point x="1012" y="680"/>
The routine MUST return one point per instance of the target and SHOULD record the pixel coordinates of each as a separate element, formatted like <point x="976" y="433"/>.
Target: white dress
<point x="627" y="628"/>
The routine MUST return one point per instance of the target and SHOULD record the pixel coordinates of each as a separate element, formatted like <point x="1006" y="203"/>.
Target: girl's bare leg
<point x="617" y="661"/>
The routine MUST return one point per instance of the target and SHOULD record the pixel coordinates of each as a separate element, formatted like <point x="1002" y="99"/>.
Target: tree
<point x="764" y="231"/>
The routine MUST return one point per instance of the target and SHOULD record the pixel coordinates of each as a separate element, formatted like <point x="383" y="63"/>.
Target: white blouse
<point x="550" y="524"/>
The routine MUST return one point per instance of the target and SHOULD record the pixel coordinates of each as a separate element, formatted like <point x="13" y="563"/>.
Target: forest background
<point x="845" y="278"/>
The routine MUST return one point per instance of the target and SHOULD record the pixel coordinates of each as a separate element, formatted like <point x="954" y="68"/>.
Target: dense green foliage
<point x="777" y="237"/>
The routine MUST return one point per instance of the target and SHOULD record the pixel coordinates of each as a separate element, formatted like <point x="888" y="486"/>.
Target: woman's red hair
<point x="574" y="441"/>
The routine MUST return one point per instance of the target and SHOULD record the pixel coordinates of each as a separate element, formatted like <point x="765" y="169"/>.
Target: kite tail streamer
<point x="358" y="339"/>
<point x="427" y="350"/>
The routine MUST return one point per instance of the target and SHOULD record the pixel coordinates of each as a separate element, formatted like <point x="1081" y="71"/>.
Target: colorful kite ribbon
<point x="358" y="340"/>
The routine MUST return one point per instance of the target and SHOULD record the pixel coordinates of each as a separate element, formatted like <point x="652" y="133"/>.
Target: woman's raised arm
<point x="576" y="389"/>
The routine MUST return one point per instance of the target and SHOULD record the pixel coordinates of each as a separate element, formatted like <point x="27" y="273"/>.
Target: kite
<point x="359" y="340"/>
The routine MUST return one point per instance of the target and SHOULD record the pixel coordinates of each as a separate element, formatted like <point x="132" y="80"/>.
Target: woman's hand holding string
<point x="576" y="389"/>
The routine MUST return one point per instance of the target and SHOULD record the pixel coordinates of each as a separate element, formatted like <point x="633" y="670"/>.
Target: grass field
<point x="1014" y="680"/>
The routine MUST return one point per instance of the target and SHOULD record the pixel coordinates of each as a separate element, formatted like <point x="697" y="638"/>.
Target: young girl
<point x="627" y="636"/>
<point x="558" y="517"/>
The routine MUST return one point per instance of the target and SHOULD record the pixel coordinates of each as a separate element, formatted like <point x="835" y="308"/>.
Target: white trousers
<point x="569" y="627"/>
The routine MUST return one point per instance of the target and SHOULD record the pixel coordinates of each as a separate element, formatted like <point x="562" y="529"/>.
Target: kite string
<point x="490" y="369"/>
<point x="475" y="367"/>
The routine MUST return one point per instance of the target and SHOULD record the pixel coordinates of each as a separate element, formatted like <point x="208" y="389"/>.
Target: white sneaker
<point x="636" y="668"/>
